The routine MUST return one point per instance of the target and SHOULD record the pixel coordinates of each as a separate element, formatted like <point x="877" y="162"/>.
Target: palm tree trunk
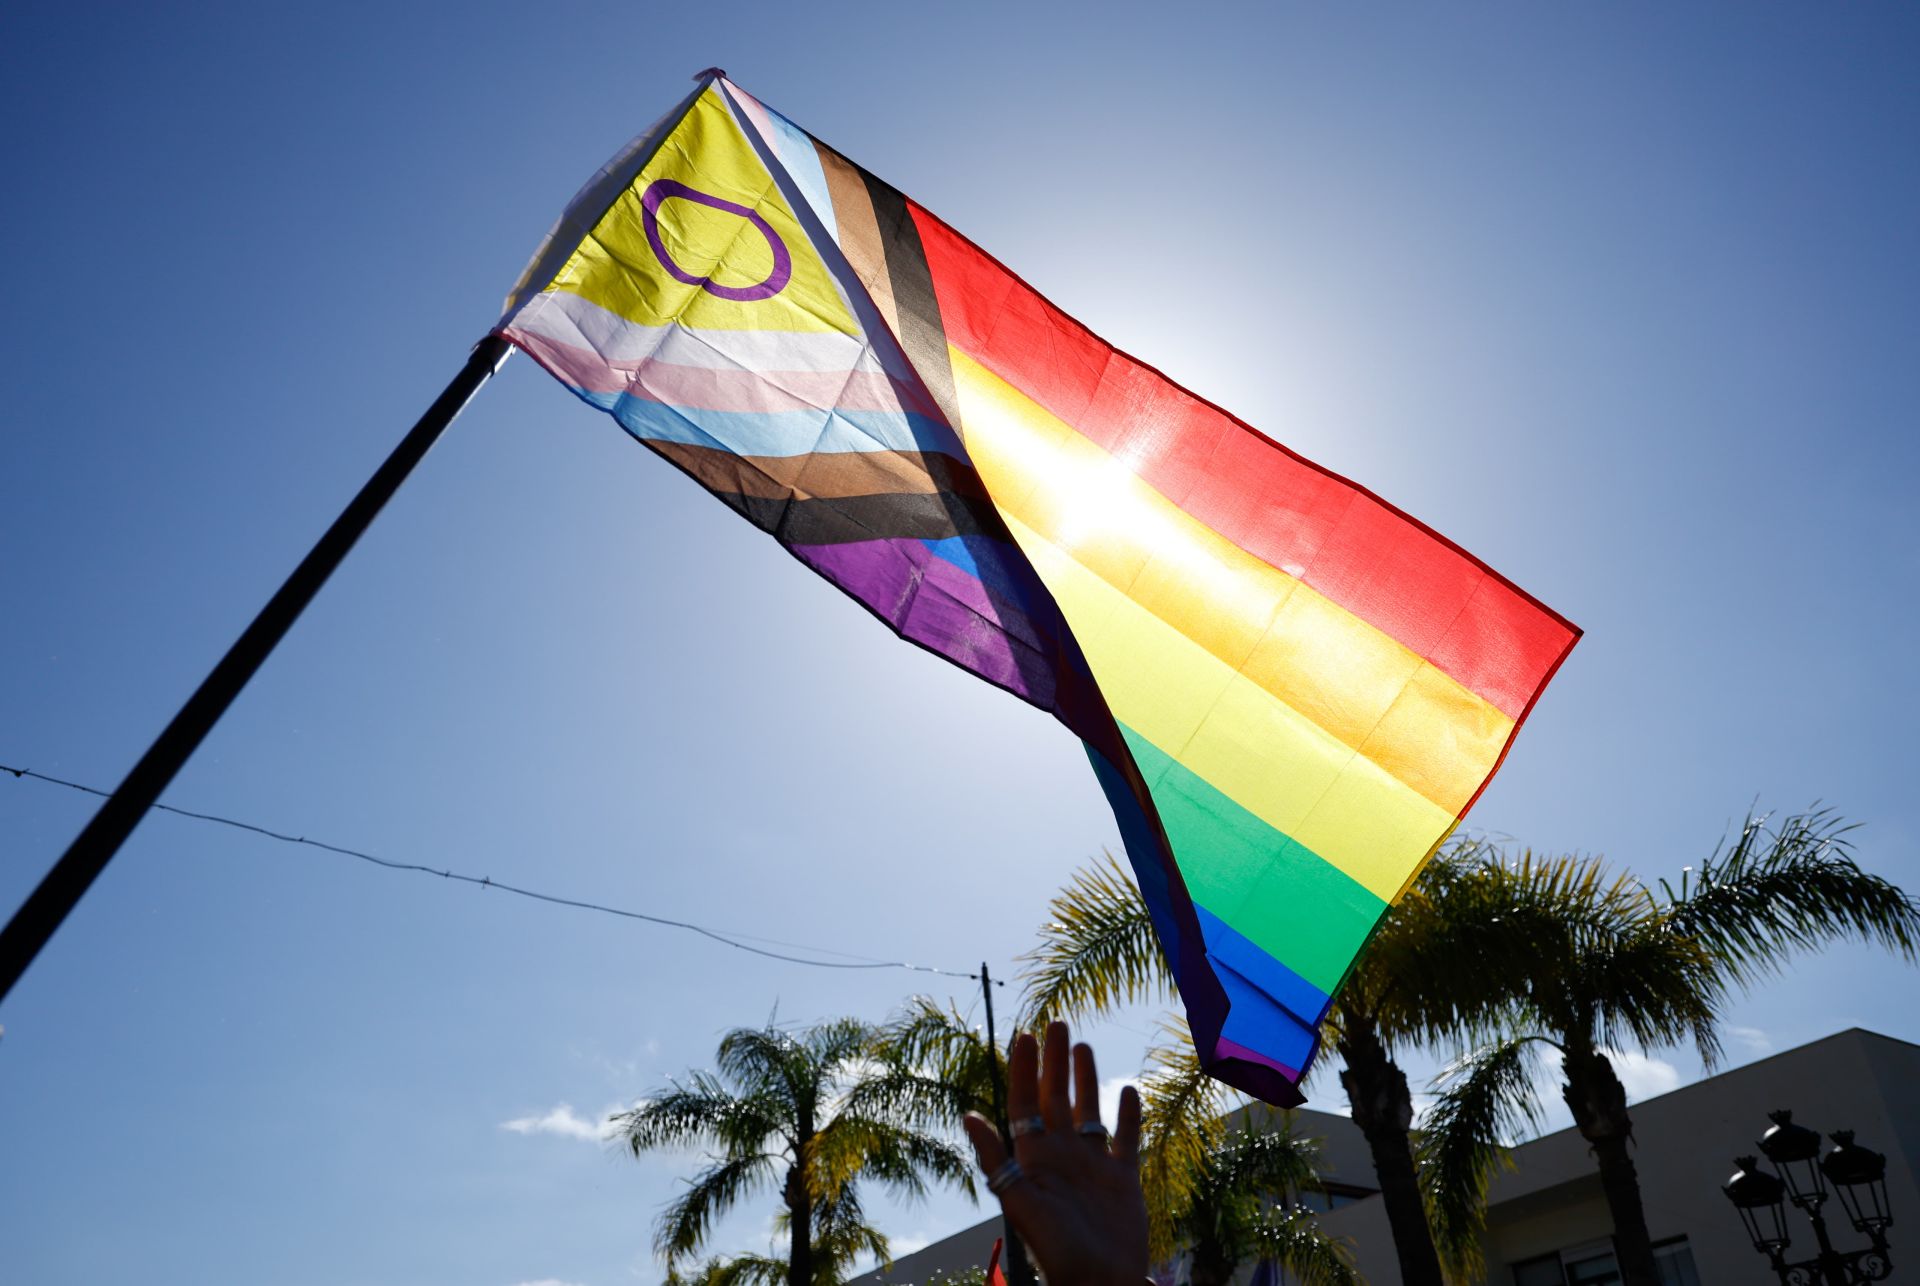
<point x="800" y="1221"/>
<point x="1383" y="1109"/>
<point x="1599" y="1105"/>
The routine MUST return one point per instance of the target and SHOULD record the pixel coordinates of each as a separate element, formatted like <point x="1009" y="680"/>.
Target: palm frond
<point x="1269" y="1162"/>
<point x="841" y="1234"/>
<point x="688" y="1218"/>
<point x="1486" y="1099"/>
<point x="732" y="1270"/>
<point x="1788" y="886"/>
<point x="1097" y="952"/>
<point x="1444" y="962"/>
<point x="834" y="1044"/>
<point x="1649" y="986"/>
<point x="1181" y="1129"/>
<point x="1293" y="1239"/>
<point x="764" y="1059"/>
<point x="701" y="1111"/>
<point x="935" y="1068"/>
<point x="852" y="1148"/>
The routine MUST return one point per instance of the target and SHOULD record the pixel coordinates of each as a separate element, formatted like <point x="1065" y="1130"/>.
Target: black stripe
<point x="922" y="333"/>
<point x="842" y="520"/>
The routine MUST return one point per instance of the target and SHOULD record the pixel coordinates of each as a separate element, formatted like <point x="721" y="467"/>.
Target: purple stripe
<point x="1224" y="1048"/>
<point x="934" y="603"/>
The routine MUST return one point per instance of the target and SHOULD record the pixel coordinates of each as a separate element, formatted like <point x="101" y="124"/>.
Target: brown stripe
<point x="882" y="242"/>
<point x="858" y="233"/>
<point x="794" y="497"/>
<point x="825" y="474"/>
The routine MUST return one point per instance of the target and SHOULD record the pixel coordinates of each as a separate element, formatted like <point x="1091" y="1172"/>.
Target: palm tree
<point x="1609" y="962"/>
<point x="813" y="1113"/>
<point x="1413" y="983"/>
<point x="1221" y="1192"/>
<point x="1234" y="1217"/>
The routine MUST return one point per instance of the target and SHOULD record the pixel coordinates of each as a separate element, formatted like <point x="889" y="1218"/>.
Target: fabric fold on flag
<point x="1289" y="690"/>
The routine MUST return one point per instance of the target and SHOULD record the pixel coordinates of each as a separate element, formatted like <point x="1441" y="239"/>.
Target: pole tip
<point x="711" y="73"/>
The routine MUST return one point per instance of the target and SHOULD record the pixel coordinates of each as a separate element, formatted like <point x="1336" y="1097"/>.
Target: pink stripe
<point x="755" y="109"/>
<point x="716" y="389"/>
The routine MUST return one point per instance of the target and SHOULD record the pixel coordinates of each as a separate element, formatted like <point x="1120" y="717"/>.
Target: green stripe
<point x="1283" y="896"/>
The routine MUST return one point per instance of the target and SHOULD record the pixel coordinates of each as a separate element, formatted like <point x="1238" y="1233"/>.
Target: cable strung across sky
<point x="851" y="961"/>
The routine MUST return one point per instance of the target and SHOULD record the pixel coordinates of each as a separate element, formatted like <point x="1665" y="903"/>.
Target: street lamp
<point x="1859" y="1175"/>
<point x="1760" y="1198"/>
<point x="1859" y="1178"/>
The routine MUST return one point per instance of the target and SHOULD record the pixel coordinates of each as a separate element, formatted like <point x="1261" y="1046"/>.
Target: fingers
<point x="988" y="1150"/>
<point x="1126" y="1129"/>
<point x="1054" y="1106"/>
<point x="1086" y="1088"/>
<point x="1023" y="1094"/>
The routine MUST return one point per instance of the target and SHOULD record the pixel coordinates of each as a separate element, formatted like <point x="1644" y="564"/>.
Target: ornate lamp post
<point x="1859" y="1178"/>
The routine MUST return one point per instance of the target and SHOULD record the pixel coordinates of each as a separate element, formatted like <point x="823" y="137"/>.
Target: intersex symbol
<point x="772" y="284"/>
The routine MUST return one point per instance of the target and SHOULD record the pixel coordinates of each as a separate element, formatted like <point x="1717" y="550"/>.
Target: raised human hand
<point x="1070" y="1191"/>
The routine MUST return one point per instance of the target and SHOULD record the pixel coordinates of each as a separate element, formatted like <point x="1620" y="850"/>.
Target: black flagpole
<point x="44" y="910"/>
<point x="1013" y="1254"/>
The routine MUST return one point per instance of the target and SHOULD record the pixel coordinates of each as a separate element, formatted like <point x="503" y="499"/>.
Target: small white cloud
<point x="566" y="1123"/>
<point x="1642" y="1076"/>
<point x="1751" y="1040"/>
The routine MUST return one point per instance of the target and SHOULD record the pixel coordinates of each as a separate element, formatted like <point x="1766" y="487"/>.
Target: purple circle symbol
<point x="775" y="281"/>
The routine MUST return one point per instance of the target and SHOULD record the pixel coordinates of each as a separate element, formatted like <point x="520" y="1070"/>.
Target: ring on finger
<point x="1092" y="1130"/>
<point x="1005" y="1177"/>
<point x="1026" y="1125"/>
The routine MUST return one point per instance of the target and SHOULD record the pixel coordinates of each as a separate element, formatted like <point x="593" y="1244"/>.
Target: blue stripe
<point x="783" y="433"/>
<point x="1231" y="949"/>
<point x="1143" y="851"/>
<point x="803" y="163"/>
<point x="1253" y="1020"/>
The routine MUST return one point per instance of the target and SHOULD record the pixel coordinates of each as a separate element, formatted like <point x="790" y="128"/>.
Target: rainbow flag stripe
<point x="1290" y="690"/>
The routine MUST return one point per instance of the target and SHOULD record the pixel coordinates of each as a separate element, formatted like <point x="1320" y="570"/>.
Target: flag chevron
<point x="1289" y="690"/>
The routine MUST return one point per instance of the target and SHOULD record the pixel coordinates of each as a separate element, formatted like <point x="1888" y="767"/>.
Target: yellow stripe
<point x="1275" y="763"/>
<point x="1337" y="671"/>
<point x="616" y="267"/>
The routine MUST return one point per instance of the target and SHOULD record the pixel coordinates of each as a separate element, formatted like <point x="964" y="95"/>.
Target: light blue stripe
<point x="777" y="433"/>
<point x="798" y="154"/>
<point x="956" y="551"/>
<point x="996" y="563"/>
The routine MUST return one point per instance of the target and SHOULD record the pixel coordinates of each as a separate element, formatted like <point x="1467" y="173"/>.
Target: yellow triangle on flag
<point x="703" y="238"/>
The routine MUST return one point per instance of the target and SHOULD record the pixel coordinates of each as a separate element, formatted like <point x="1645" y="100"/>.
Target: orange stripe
<point x="1325" y="664"/>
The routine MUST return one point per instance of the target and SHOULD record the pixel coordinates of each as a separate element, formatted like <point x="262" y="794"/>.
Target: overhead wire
<point x="740" y="942"/>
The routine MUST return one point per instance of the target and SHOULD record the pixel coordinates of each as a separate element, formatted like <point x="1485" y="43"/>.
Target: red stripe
<point x="1385" y="567"/>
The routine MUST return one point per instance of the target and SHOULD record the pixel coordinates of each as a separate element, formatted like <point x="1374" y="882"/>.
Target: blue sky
<point x="1624" y="298"/>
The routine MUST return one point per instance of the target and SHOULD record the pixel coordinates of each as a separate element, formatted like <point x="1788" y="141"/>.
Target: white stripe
<point x="567" y="318"/>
